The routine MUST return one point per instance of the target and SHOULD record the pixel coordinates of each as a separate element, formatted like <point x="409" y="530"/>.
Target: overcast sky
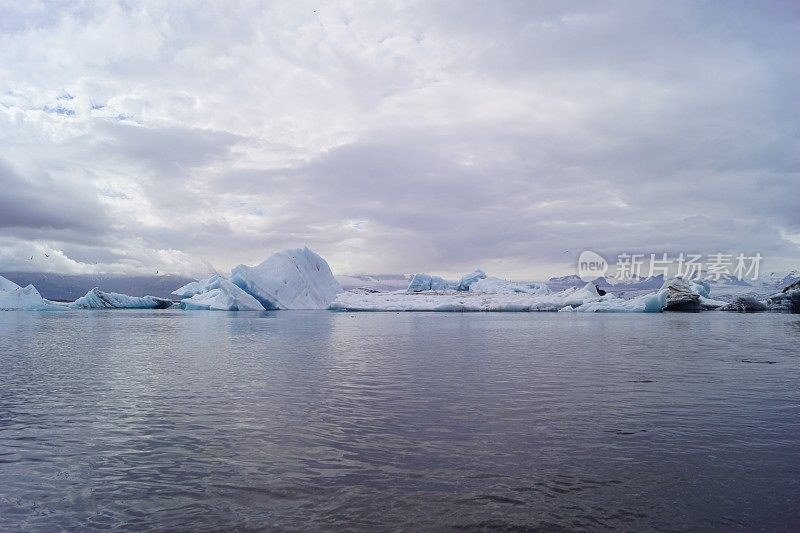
<point x="396" y="137"/>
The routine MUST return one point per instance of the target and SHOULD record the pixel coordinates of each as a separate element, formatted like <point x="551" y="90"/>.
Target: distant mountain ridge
<point x="69" y="287"/>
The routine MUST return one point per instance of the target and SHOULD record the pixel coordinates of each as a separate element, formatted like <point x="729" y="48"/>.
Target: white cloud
<point x="395" y="136"/>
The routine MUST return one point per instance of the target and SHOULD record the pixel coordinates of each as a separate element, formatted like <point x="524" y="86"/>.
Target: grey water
<point x="382" y="421"/>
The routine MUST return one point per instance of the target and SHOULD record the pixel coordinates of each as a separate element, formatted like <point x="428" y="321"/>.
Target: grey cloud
<point x="173" y="150"/>
<point x="43" y="203"/>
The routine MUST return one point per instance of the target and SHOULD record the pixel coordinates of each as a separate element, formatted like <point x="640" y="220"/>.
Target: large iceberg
<point x="14" y="297"/>
<point x="218" y="294"/>
<point x="294" y="279"/>
<point x="97" y="299"/>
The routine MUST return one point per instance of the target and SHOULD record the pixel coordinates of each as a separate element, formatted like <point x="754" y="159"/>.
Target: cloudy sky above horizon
<point x="396" y="136"/>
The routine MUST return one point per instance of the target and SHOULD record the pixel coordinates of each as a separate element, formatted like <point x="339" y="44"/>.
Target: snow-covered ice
<point x="219" y="294"/>
<point x="465" y="301"/>
<point x="293" y="279"/>
<point x="495" y="294"/>
<point x="491" y="284"/>
<point x="97" y="299"/>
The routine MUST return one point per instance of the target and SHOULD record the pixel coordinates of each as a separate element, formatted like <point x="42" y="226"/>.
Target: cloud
<point x="397" y="136"/>
<point x="45" y="203"/>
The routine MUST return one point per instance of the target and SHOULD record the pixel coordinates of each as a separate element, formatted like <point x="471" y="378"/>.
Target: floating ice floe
<point x="495" y="294"/>
<point x="14" y="297"/>
<point x="218" y="294"/>
<point x="465" y="301"/>
<point x="97" y="299"/>
<point x="294" y="279"/>
<point x="654" y="302"/>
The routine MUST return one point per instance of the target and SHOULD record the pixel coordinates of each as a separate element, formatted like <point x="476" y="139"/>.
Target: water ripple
<point x="318" y="421"/>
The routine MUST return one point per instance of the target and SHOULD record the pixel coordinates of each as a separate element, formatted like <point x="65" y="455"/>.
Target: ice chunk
<point x="468" y="279"/>
<point x="496" y="285"/>
<point x="424" y="282"/>
<point x="744" y="304"/>
<point x="654" y="302"/>
<point x="710" y="303"/>
<point x="196" y="287"/>
<point x="689" y="296"/>
<point x="27" y="299"/>
<point x="786" y="300"/>
<point x="221" y="295"/>
<point x="293" y="279"/>
<point x="97" y="299"/>
<point x="681" y="296"/>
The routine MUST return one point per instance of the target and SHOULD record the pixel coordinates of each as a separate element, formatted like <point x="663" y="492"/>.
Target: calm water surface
<point x="319" y="421"/>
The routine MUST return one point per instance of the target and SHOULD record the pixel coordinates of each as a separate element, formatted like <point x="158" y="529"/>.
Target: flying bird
<point x="31" y="259"/>
<point x="46" y="255"/>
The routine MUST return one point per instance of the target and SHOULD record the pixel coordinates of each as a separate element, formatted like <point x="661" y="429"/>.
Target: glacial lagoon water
<point x="383" y="421"/>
